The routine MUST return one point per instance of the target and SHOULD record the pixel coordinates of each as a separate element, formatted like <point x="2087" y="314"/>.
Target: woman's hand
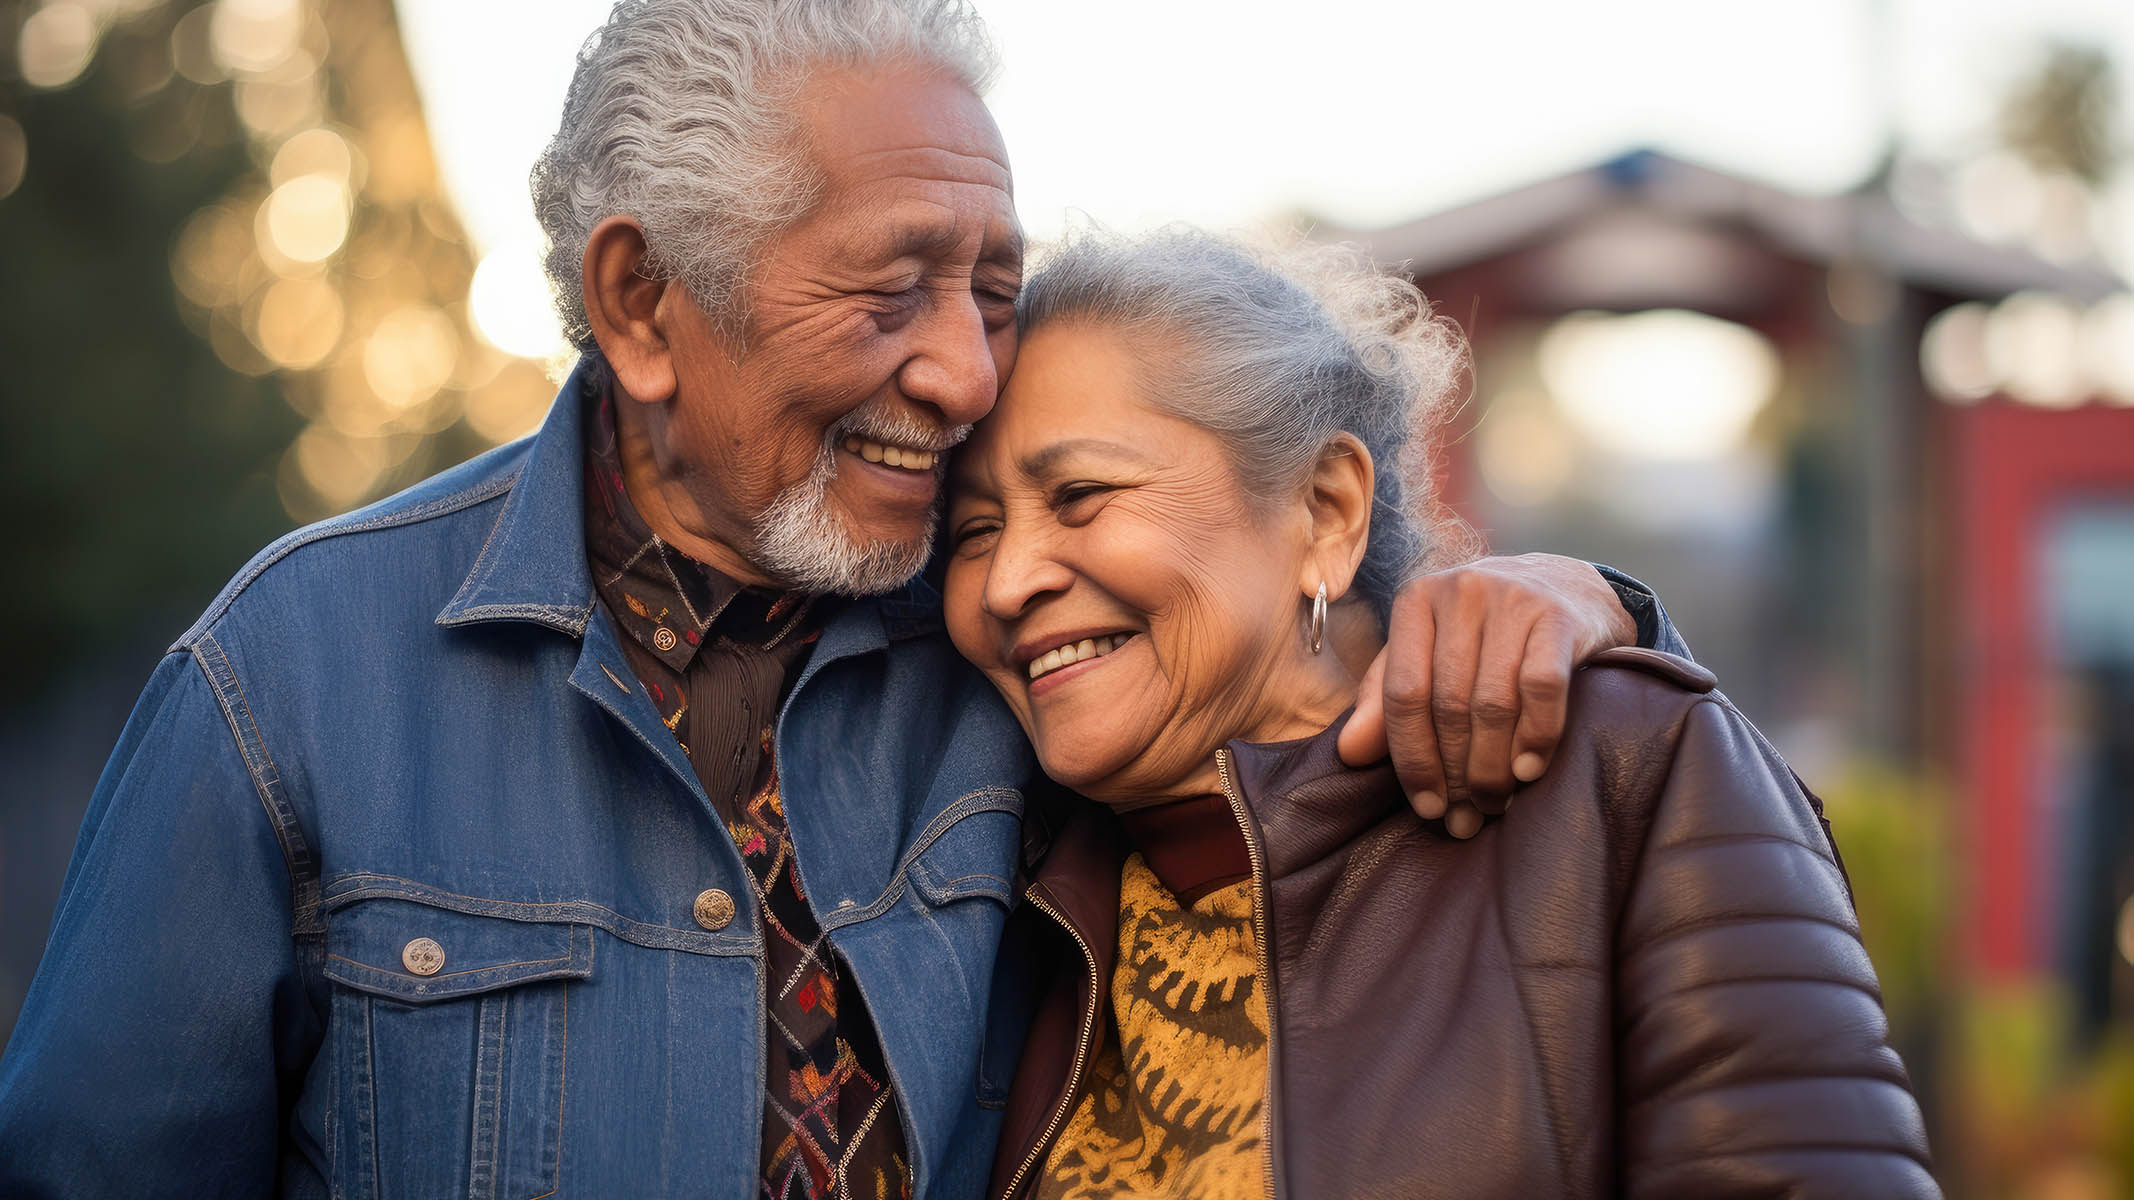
<point x="1469" y="693"/>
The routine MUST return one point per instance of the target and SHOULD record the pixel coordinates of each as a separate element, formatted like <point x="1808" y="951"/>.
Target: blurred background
<point x="1814" y="316"/>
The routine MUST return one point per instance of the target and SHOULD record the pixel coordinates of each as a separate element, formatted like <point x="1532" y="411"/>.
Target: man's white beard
<point x="801" y="542"/>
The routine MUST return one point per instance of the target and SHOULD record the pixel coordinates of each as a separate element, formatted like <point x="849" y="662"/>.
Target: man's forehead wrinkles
<point x="984" y="168"/>
<point x="912" y="224"/>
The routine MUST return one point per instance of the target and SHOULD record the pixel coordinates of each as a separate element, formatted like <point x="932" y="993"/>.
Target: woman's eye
<point x="973" y="534"/>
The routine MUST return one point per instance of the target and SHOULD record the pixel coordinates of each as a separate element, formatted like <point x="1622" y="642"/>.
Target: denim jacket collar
<point x="533" y="566"/>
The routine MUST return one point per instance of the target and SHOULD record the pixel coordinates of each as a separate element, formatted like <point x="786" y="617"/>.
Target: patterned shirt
<point x="717" y="659"/>
<point x="1171" y="1106"/>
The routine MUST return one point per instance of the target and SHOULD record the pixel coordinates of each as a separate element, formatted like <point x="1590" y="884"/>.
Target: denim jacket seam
<point x="291" y="542"/>
<point x="444" y="975"/>
<point x="970" y="804"/>
<point x="298" y="858"/>
<point x="355" y="888"/>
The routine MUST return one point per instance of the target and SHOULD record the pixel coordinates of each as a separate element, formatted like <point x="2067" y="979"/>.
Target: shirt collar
<point x="661" y="598"/>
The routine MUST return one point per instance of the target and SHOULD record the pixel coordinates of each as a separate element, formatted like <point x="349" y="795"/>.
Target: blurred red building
<point x="1883" y="473"/>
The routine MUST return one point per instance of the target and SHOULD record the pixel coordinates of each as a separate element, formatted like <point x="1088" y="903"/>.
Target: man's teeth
<point x="1074" y="652"/>
<point x="894" y="456"/>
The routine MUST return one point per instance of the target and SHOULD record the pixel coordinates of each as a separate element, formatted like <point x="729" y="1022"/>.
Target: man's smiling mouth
<point x="903" y="457"/>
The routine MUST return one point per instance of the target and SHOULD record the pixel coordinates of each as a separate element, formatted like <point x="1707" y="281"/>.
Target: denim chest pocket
<point x="447" y="1044"/>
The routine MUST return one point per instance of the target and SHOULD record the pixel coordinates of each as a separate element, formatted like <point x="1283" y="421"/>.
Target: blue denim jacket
<point x="416" y="722"/>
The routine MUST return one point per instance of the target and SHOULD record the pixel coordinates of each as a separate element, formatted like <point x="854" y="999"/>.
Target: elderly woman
<point x="1248" y="970"/>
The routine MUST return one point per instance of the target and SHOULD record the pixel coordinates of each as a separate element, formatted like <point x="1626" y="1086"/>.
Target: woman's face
<point x="1116" y="583"/>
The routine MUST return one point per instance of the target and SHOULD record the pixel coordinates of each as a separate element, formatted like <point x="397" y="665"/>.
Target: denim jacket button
<point x="423" y="957"/>
<point x="714" y="909"/>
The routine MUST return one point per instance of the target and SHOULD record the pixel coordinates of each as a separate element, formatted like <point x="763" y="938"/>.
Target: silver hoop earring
<point x="1319" y="619"/>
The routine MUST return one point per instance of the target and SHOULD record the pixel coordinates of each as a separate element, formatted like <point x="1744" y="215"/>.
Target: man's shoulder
<point x="394" y="544"/>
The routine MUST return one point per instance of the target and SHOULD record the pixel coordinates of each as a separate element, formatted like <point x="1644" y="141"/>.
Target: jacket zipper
<point x="1081" y="1049"/>
<point x="1260" y="950"/>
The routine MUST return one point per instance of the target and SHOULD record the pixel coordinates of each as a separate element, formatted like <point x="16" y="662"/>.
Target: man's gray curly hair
<point x="681" y="114"/>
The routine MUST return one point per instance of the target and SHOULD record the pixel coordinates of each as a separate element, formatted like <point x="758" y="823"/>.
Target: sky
<point x="1362" y="112"/>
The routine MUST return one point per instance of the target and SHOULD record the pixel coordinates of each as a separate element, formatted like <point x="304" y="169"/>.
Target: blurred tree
<point x="237" y="296"/>
<point x="2062" y="116"/>
<point x="136" y="470"/>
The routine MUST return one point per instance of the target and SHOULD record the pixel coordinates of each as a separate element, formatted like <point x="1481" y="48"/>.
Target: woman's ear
<point x="623" y="305"/>
<point x="1338" y="497"/>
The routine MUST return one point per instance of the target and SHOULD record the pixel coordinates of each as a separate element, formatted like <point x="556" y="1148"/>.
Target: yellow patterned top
<point x="1171" y="1107"/>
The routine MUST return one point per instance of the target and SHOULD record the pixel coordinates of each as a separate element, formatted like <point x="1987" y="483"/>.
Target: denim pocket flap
<point x="418" y="953"/>
<point x="973" y="857"/>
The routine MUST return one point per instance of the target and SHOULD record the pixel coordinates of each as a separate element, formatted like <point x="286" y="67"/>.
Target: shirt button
<point x="663" y="640"/>
<point x="714" y="909"/>
<point x="422" y="957"/>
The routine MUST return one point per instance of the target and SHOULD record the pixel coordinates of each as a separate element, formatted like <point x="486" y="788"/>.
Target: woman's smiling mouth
<point x="1076" y="652"/>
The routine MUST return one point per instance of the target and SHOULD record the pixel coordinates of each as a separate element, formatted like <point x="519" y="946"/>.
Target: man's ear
<point x="623" y="305"/>
<point x="1338" y="496"/>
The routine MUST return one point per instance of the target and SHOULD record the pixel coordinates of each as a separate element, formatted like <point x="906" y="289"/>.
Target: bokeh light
<point x="1998" y="197"/>
<point x="1952" y="354"/>
<point x="1666" y="384"/>
<point x="512" y="405"/>
<point x="56" y="44"/>
<point x="192" y="52"/>
<point x="510" y="304"/>
<point x="254" y="36"/>
<point x="2030" y="346"/>
<point x="320" y="152"/>
<point x="306" y="219"/>
<point x="1523" y="450"/>
<point x="14" y="155"/>
<point x="341" y="470"/>
<point x="2107" y="347"/>
<point x="410" y="355"/>
<point x="298" y="322"/>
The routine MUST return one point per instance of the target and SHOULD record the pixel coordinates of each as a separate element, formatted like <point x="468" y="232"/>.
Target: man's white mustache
<point x="877" y="424"/>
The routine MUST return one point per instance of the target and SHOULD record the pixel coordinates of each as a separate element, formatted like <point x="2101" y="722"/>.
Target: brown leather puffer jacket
<point x="1646" y="979"/>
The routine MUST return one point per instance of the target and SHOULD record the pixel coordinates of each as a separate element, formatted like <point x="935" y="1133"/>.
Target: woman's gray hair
<point x="1276" y="350"/>
<point x="681" y="114"/>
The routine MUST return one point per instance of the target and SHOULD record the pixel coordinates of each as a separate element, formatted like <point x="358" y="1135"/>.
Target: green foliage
<point x="1891" y="829"/>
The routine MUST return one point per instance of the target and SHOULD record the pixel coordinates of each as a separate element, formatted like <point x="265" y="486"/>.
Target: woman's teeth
<point x="892" y="456"/>
<point x="1074" y="652"/>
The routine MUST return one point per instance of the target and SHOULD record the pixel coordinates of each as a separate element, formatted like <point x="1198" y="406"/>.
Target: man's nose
<point x="951" y="367"/>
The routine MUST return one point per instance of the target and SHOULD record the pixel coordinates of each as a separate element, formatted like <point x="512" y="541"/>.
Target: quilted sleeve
<point x="1753" y="1054"/>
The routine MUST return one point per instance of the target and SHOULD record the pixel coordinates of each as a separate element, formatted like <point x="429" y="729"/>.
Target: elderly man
<point x="609" y="816"/>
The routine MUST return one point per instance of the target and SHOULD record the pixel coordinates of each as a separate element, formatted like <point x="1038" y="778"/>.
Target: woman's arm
<point x="1754" y="1056"/>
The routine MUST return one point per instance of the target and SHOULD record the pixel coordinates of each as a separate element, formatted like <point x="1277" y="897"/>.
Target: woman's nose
<point x="1023" y="571"/>
<point x="952" y="366"/>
